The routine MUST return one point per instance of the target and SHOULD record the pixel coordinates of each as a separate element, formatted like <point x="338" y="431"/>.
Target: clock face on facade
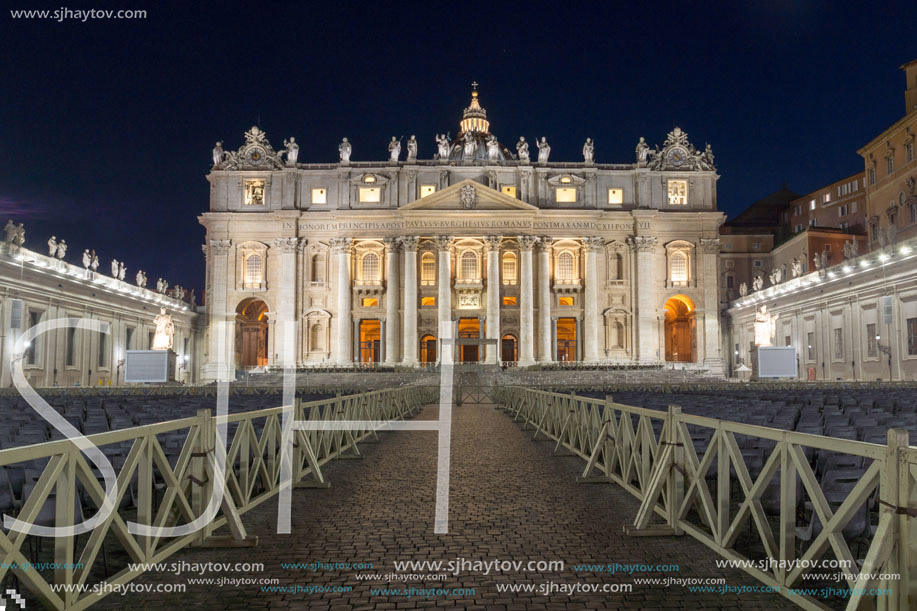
<point x="677" y="156"/>
<point x="256" y="155"/>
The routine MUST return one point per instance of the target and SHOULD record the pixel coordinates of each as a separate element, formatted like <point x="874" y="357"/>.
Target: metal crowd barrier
<point x="670" y="478"/>
<point x="178" y="490"/>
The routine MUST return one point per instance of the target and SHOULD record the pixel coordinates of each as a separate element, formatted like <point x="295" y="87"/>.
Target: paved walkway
<point x="510" y="501"/>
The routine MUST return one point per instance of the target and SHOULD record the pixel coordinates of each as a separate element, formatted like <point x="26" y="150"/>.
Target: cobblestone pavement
<point x="510" y="500"/>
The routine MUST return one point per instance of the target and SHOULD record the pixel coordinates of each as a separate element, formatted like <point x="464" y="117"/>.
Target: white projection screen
<point x="777" y="362"/>
<point x="146" y="366"/>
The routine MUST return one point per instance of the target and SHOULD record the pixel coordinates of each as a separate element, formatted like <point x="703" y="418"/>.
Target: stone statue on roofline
<point x="743" y="289"/>
<point x="394" y="150"/>
<point x="52" y="246"/>
<point x="796" y="268"/>
<point x="344" y="149"/>
<point x="292" y="150"/>
<point x="589" y="151"/>
<point x="522" y="149"/>
<point x="642" y="151"/>
<point x="544" y="150"/>
<point x="493" y="148"/>
<point x="412" y="148"/>
<point x="218" y="154"/>
<point x="61" y="249"/>
<point x="87" y="259"/>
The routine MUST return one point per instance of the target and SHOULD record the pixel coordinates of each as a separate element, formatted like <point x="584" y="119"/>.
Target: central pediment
<point x="468" y="196"/>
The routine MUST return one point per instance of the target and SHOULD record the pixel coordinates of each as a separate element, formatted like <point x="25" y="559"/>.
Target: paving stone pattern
<point x="510" y="500"/>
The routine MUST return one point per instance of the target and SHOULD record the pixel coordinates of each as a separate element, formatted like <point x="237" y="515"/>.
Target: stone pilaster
<point x="285" y="330"/>
<point x="492" y="245"/>
<point x="592" y="247"/>
<point x="543" y="288"/>
<point x="409" y="348"/>
<point x="644" y="248"/>
<point x="710" y="252"/>
<point x="444" y="297"/>
<point x="220" y="365"/>
<point x="392" y="293"/>
<point x="343" y="346"/>
<point x="526" y="305"/>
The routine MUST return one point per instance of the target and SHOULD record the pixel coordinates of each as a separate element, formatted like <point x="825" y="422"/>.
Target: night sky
<point x="106" y="126"/>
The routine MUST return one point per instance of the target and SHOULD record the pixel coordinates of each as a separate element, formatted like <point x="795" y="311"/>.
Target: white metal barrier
<point x="252" y="476"/>
<point x="619" y="444"/>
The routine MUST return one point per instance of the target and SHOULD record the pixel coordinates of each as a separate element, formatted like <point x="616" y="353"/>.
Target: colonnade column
<point x="392" y="286"/>
<point x="444" y="298"/>
<point x="492" y="244"/>
<point x="285" y="330"/>
<point x="526" y="309"/>
<point x="592" y="248"/>
<point x="409" y="349"/>
<point x="544" y="300"/>
<point x="647" y="330"/>
<point x="344" y="331"/>
<point x="713" y="357"/>
<point x="220" y="365"/>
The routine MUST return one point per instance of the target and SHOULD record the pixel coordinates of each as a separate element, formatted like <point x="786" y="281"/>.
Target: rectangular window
<point x="70" y="360"/>
<point x="565" y="195"/>
<point x="872" y="342"/>
<point x="149" y="341"/>
<point x="873" y="231"/>
<point x="872" y="176"/>
<point x="853" y="206"/>
<point x="813" y="222"/>
<point x="889" y="165"/>
<point x="103" y="350"/>
<point x="909" y="151"/>
<point x="370" y="195"/>
<point x="844" y="225"/>
<point x="509" y="301"/>
<point x="730" y="282"/>
<point x="842" y="210"/>
<point x="426" y="190"/>
<point x="370" y="302"/>
<point x="565" y="301"/>
<point x="810" y="346"/>
<point x="31" y="352"/>
<point x="319" y="196"/>
<point x="827" y="198"/>
<point x="508" y="190"/>
<point x="615" y="197"/>
<point x="427" y="301"/>
<point x="129" y="338"/>
<point x="787" y="340"/>
<point x="730" y="264"/>
<point x="757" y="263"/>
<point x="914" y="213"/>
<point x="912" y="336"/>
<point x="678" y="192"/>
<point x="254" y="192"/>
<point x="756" y="245"/>
<point x="812" y="204"/>
<point x="797" y="211"/>
<point x="838" y="344"/>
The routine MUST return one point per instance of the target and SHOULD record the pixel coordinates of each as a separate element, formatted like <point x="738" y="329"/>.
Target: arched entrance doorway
<point x="469" y="328"/>
<point x="428" y="349"/>
<point x="370" y="337"/>
<point x="251" y="333"/>
<point x="566" y="339"/>
<point x="680" y="330"/>
<point x="508" y="350"/>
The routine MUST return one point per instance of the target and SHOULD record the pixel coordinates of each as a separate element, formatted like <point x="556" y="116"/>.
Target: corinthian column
<point x="344" y="329"/>
<point x="392" y="285"/>
<point x="285" y="331"/>
<point x="492" y="244"/>
<point x="544" y="300"/>
<point x="647" y="329"/>
<point x="444" y="297"/>
<point x="409" y="349"/>
<point x="592" y="248"/>
<point x="526" y="309"/>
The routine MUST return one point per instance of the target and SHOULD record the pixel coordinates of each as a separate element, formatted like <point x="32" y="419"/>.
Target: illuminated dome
<point x="474" y="125"/>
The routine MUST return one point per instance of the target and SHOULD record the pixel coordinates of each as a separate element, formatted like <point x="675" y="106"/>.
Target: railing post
<point x="200" y="489"/>
<point x="676" y="483"/>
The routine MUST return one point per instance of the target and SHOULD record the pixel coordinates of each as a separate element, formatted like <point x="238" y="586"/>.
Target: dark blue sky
<point x="106" y="126"/>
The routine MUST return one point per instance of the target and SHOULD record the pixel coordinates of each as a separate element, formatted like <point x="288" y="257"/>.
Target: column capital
<point x="391" y="244"/>
<point x="340" y="245"/>
<point x="544" y="243"/>
<point x="288" y="245"/>
<point x="220" y="247"/>
<point x="642" y="243"/>
<point x="409" y="242"/>
<point x="444" y="242"/>
<point x="710" y="244"/>
<point x="594" y="243"/>
<point x="527" y="242"/>
<point x="492" y="242"/>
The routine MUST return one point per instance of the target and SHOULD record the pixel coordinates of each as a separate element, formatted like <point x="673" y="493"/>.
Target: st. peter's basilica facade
<point x="523" y="259"/>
